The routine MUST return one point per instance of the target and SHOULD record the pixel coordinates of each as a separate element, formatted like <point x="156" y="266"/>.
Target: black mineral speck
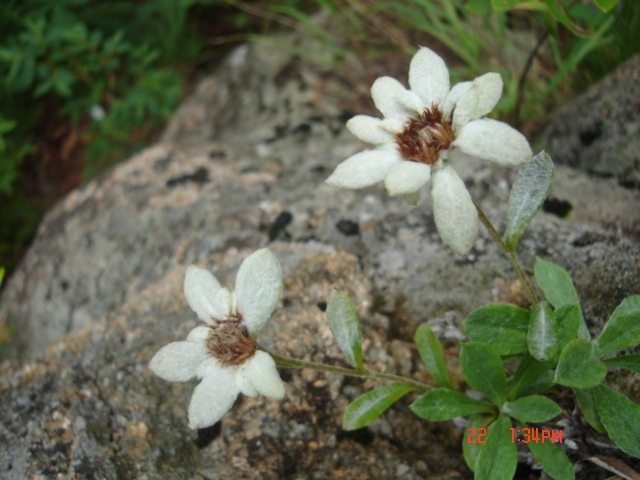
<point x="557" y="207"/>
<point x="208" y="435"/>
<point x="201" y="175"/>
<point x="347" y="227"/>
<point x="322" y="306"/>
<point x="279" y="224"/>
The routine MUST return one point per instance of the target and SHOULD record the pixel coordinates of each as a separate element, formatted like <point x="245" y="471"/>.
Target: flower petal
<point x="258" y="287"/>
<point x="495" y="141"/>
<point x="466" y="109"/>
<point x="405" y="178"/>
<point x="458" y="90"/>
<point x="261" y="373"/>
<point x="392" y="125"/>
<point x="489" y="88"/>
<point x="214" y="395"/>
<point x="368" y="130"/>
<point x="429" y="77"/>
<point x="385" y="92"/>
<point x="363" y="169"/>
<point x="454" y="212"/>
<point x="200" y="289"/>
<point x="178" y="361"/>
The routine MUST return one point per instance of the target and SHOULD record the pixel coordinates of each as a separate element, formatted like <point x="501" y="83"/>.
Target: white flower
<point x="224" y="352"/>
<point x="423" y="129"/>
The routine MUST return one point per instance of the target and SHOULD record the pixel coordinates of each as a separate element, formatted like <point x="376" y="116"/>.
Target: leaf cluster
<point x="550" y="341"/>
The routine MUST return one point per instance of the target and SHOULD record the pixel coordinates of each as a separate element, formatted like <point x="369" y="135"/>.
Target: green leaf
<point x="621" y="417"/>
<point x="500" y="5"/>
<point x="483" y="370"/>
<point x="502" y="325"/>
<point x="443" y="404"/>
<point x="534" y="408"/>
<point x="605" y="5"/>
<point x="470" y="446"/>
<point x="553" y="460"/>
<point x="432" y="355"/>
<point x="498" y="458"/>
<point x="588" y="406"/>
<point x="630" y="362"/>
<point x="542" y="338"/>
<point x="578" y="367"/>
<point x="567" y="317"/>
<point x="345" y="326"/>
<point x="558" y="287"/>
<point x="369" y="406"/>
<point x="622" y="330"/>
<point x="541" y="385"/>
<point x="556" y="283"/>
<point x="529" y="191"/>
<point x="529" y="370"/>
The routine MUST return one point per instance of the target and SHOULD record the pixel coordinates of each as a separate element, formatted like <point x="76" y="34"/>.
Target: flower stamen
<point x="230" y="342"/>
<point x="425" y="136"/>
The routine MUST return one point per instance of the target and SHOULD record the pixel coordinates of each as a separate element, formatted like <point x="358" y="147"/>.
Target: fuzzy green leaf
<point x="470" y="446"/>
<point x="345" y="326"/>
<point x="431" y="353"/>
<point x="369" y="406"/>
<point x="534" y="408"/>
<point x="501" y="325"/>
<point x="622" y="330"/>
<point x="568" y="318"/>
<point x="578" y="367"/>
<point x="542" y="337"/>
<point x="553" y="460"/>
<point x="558" y="288"/>
<point x="588" y="406"/>
<point x="443" y="404"/>
<point x="621" y="417"/>
<point x="529" y="370"/>
<point x="529" y="191"/>
<point x="483" y="370"/>
<point x="498" y="458"/>
<point x="630" y="362"/>
<point x="605" y="5"/>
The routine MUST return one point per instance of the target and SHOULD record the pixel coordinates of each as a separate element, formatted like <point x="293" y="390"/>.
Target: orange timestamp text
<point x="520" y="435"/>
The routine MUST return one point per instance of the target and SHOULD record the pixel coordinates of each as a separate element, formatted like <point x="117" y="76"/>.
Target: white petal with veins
<point x="368" y="130"/>
<point x="363" y="169"/>
<point x="405" y="178"/>
<point x="429" y="77"/>
<point x="495" y="141"/>
<point x="385" y="91"/>
<point x="200" y="289"/>
<point x="178" y="361"/>
<point x="258" y="286"/>
<point x="454" y="212"/>
<point x="454" y="95"/>
<point x="214" y="396"/>
<point x="261" y="372"/>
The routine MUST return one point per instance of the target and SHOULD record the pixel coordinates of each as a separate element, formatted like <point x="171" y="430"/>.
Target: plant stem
<point x="511" y="256"/>
<point x="287" y="362"/>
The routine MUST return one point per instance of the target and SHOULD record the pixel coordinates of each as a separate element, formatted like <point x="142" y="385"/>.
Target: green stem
<point x="511" y="256"/>
<point x="287" y="362"/>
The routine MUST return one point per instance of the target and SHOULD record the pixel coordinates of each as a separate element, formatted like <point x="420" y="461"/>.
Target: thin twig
<point x="511" y="256"/>
<point x="287" y="362"/>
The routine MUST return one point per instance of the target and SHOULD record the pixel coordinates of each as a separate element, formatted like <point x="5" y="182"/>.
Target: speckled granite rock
<point x="242" y="166"/>
<point x="599" y="132"/>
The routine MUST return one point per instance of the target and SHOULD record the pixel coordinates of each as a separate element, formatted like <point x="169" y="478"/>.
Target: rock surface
<point x="599" y="132"/>
<point x="241" y="166"/>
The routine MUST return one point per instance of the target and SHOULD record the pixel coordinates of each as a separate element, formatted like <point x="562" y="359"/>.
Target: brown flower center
<point x="425" y="136"/>
<point x="230" y="342"/>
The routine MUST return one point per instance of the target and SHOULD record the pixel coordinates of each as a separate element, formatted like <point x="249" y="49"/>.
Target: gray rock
<point x="599" y="132"/>
<point x="241" y="166"/>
